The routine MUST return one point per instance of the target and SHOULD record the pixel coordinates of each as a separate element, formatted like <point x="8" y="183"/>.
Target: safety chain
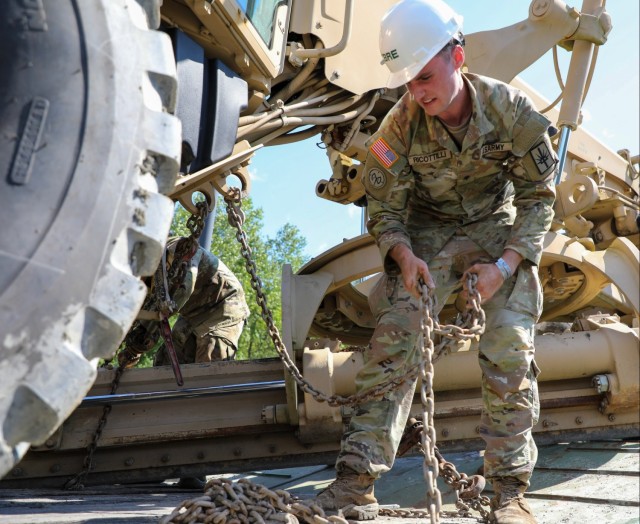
<point x="466" y="327"/>
<point x="184" y="251"/>
<point x="236" y="219"/>
<point x="467" y="489"/>
<point x="428" y="437"/>
<point x="77" y="482"/>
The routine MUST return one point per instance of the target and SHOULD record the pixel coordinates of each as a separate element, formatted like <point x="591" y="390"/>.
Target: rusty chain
<point x="466" y="327"/>
<point x="434" y="464"/>
<point x="184" y="251"/>
<point x="468" y="489"/>
<point x="246" y="502"/>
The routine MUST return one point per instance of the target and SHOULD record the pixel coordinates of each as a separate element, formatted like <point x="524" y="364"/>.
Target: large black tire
<point x="87" y="141"/>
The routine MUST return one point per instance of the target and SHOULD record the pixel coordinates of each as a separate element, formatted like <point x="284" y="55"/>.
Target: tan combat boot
<point x="509" y="506"/>
<point x="350" y="494"/>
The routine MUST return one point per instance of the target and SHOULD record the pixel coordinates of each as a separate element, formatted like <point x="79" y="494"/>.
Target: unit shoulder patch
<point x="542" y="157"/>
<point x="377" y="178"/>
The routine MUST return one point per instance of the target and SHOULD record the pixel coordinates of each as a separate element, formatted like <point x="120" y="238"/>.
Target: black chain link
<point x="77" y="482"/>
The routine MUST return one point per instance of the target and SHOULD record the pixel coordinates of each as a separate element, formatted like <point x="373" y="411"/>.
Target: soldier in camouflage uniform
<point x="212" y="312"/>
<point x="459" y="179"/>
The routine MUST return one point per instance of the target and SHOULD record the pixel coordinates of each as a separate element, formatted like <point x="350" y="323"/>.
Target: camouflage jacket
<point x="497" y="188"/>
<point x="206" y="293"/>
<point x="209" y="292"/>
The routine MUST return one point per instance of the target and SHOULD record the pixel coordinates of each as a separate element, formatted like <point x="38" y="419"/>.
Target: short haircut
<point x="456" y="40"/>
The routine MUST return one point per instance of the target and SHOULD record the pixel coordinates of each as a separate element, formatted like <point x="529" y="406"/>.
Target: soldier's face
<point x="437" y="86"/>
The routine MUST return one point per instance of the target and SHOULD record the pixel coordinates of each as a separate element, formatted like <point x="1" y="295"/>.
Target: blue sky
<point x="285" y="177"/>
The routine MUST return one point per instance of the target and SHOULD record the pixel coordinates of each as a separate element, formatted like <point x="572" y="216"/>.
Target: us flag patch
<point x="385" y="155"/>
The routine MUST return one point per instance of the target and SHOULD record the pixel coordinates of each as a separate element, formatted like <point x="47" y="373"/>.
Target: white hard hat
<point x="412" y="32"/>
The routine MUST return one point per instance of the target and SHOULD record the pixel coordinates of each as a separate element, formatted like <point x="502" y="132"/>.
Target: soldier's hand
<point x="412" y="268"/>
<point x="489" y="281"/>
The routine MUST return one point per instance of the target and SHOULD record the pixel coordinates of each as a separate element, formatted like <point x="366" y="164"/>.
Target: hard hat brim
<point x="404" y="76"/>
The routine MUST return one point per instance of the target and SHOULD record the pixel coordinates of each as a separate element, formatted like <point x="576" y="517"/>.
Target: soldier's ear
<point x="457" y="55"/>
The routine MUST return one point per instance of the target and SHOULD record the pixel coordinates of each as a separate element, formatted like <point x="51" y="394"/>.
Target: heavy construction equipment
<point x="251" y="74"/>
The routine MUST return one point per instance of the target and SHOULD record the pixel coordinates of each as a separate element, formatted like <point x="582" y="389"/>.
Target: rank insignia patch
<point x="542" y="157"/>
<point x="385" y="155"/>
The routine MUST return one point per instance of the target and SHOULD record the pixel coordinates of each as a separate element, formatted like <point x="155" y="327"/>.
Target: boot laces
<point x="509" y="490"/>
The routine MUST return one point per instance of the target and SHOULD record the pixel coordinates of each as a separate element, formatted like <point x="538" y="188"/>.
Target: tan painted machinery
<point x="286" y="71"/>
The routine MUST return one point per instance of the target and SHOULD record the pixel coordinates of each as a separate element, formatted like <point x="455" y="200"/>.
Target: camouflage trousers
<point x="506" y="356"/>
<point x="201" y="344"/>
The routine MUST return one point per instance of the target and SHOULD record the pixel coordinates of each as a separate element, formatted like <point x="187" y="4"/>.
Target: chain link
<point x="428" y="436"/>
<point x="185" y="249"/>
<point x="468" y="489"/>
<point x="236" y="219"/>
<point x="466" y="327"/>
<point x="77" y="482"/>
<point x="244" y="501"/>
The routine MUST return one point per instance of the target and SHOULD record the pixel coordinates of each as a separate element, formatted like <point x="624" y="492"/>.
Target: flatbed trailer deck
<point x="574" y="483"/>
